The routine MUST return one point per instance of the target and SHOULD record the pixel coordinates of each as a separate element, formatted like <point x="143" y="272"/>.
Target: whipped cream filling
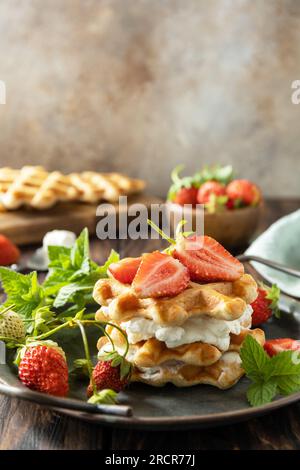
<point x="198" y="328"/>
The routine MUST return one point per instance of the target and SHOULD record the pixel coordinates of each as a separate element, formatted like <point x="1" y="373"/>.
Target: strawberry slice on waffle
<point x="160" y="275"/>
<point x="125" y="270"/>
<point x="206" y="259"/>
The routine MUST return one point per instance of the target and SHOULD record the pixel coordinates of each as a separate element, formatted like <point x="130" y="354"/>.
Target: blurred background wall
<point x="141" y="85"/>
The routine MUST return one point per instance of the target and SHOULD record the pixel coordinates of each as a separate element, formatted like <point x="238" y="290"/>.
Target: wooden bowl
<point x="232" y="228"/>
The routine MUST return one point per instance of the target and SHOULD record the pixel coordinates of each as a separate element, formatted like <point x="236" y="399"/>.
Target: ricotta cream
<point x="198" y="328"/>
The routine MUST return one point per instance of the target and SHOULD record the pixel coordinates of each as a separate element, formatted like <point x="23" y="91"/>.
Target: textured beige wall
<point x="141" y="85"/>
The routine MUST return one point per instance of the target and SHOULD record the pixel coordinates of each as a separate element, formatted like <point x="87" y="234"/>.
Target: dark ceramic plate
<point x="168" y="407"/>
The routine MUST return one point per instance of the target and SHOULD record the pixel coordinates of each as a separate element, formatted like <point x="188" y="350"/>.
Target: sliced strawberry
<point x="275" y="346"/>
<point x="125" y="270"/>
<point x="186" y="196"/>
<point x="9" y="253"/>
<point x="160" y="275"/>
<point x="207" y="260"/>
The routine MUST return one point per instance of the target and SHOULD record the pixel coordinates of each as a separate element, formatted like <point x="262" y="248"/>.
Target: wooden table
<point x="27" y="426"/>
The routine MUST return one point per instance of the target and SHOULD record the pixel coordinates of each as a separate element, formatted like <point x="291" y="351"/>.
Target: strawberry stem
<point x="7" y="309"/>
<point x="124" y="336"/>
<point x="7" y="339"/>
<point x="161" y="233"/>
<point x="87" y="354"/>
<point x="175" y="174"/>
<point x="52" y="332"/>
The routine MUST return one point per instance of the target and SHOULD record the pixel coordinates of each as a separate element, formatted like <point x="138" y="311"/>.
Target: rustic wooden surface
<point x="28" y="426"/>
<point x="18" y="225"/>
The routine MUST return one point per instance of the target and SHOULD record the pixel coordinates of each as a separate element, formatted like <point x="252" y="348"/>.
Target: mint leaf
<point x="22" y="290"/>
<point x="58" y="256"/>
<point x="80" y="251"/>
<point x="261" y="393"/>
<point x="114" y="257"/>
<point x="254" y="359"/>
<point x="286" y="372"/>
<point x="66" y="293"/>
<point x="270" y="376"/>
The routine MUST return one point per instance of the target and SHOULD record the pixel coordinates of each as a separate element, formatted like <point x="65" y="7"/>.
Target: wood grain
<point x="28" y="426"/>
<point x="29" y="226"/>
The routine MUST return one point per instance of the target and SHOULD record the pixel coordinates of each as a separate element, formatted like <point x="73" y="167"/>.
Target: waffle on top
<point x="35" y="187"/>
<point x="222" y="300"/>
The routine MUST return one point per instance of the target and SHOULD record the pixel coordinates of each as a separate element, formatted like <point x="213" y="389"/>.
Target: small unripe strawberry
<point x="11" y="325"/>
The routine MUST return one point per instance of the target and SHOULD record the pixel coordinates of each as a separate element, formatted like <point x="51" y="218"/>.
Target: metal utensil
<point x="66" y="403"/>
<point x="270" y="264"/>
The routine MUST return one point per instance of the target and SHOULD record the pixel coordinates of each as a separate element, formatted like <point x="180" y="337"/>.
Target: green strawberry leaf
<point x="273" y="294"/>
<point x="106" y="396"/>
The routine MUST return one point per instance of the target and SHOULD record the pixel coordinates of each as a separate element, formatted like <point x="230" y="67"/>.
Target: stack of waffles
<point x="191" y="338"/>
<point x="34" y="187"/>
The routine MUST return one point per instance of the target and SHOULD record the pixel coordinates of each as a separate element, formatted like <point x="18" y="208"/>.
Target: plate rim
<point x="210" y="419"/>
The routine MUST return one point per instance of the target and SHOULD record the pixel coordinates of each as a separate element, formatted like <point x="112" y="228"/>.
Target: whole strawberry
<point x="11" y="325"/>
<point x="43" y="367"/>
<point x="207" y="189"/>
<point x="186" y="196"/>
<point x="244" y="191"/>
<point x="111" y="373"/>
<point x="266" y="304"/>
<point x="9" y="253"/>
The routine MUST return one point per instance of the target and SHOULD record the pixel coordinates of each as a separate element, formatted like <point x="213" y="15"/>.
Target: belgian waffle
<point x="34" y="187"/>
<point x="191" y="363"/>
<point x="24" y="187"/>
<point x="151" y="353"/>
<point x="222" y="374"/>
<point x="93" y="186"/>
<point x="222" y="300"/>
<point x="56" y="187"/>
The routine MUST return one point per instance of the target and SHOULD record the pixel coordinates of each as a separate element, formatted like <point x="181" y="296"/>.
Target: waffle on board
<point x="34" y="187"/>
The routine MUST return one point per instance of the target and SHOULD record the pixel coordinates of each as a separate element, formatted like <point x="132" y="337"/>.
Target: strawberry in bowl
<point x="231" y="206"/>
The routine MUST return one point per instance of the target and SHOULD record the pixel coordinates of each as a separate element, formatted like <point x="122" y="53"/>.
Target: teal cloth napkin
<point x="280" y="242"/>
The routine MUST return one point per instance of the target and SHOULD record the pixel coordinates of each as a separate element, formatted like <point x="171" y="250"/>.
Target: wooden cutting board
<point x="27" y="226"/>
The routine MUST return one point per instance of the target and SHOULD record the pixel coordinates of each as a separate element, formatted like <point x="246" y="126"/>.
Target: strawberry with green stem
<point x="266" y="304"/>
<point x="205" y="258"/>
<point x="109" y="376"/>
<point x="188" y="189"/>
<point x="183" y="190"/>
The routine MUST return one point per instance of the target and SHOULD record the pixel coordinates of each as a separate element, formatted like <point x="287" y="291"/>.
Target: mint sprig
<point x="67" y="289"/>
<point x="271" y="376"/>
